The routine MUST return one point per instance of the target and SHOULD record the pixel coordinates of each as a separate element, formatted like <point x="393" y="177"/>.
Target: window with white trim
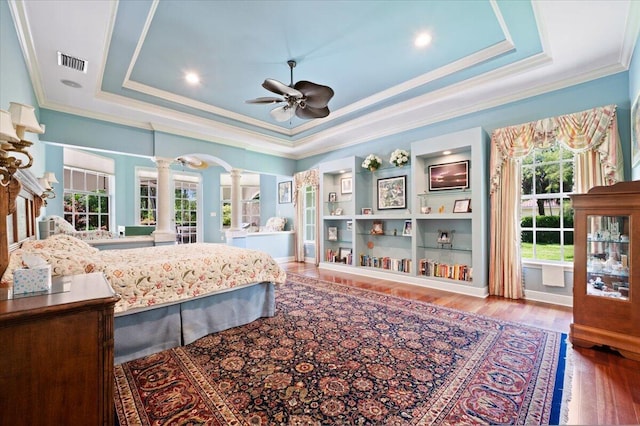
<point x="87" y="199"/>
<point x="546" y="215"/>
<point x="309" y="225"/>
<point x="186" y="189"/>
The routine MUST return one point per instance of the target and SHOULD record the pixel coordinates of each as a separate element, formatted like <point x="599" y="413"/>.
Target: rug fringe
<point x="568" y="383"/>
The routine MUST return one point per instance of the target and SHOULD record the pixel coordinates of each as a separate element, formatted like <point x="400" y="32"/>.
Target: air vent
<point x="71" y="62"/>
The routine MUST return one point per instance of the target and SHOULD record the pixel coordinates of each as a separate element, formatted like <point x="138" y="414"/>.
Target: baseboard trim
<point x="555" y="299"/>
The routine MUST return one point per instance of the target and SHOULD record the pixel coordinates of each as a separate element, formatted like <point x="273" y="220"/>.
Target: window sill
<point x="537" y="264"/>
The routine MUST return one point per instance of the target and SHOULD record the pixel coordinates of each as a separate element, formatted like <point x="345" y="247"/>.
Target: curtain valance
<point x="591" y="130"/>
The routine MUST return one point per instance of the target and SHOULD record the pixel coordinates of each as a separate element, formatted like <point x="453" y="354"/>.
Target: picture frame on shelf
<point x="338" y="212"/>
<point x="343" y="254"/>
<point x="332" y="233"/>
<point x="346" y="185"/>
<point x="377" y="228"/>
<point x="366" y="211"/>
<point x="449" y="176"/>
<point x="333" y="197"/>
<point x="349" y="225"/>
<point x="462" y="206"/>
<point x="284" y="192"/>
<point x="407" y="228"/>
<point x="444" y="236"/>
<point x="392" y="193"/>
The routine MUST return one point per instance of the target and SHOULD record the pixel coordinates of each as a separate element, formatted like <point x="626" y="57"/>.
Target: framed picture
<point x="635" y="132"/>
<point x="333" y="197"/>
<point x="392" y="193"/>
<point x="377" y="228"/>
<point x="462" y="206"/>
<point x="406" y="230"/>
<point x="449" y="176"/>
<point x="284" y="192"/>
<point x="346" y="185"/>
<point x="332" y="233"/>
<point x="367" y="210"/>
<point x="344" y="253"/>
<point x="349" y="225"/>
<point x="444" y="237"/>
<point x="338" y="212"/>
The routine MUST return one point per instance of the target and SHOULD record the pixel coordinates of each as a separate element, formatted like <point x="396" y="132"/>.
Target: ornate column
<point x="236" y="232"/>
<point x="165" y="231"/>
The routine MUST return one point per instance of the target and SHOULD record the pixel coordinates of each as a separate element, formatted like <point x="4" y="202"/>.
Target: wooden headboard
<point x="20" y="204"/>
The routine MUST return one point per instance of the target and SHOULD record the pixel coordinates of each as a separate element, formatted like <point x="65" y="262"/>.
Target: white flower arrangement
<point x="372" y="162"/>
<point x="399" y="157"/>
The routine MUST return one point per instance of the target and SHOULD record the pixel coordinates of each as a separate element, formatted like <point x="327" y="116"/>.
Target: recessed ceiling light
<point x="422" y="40"/>
<point x="192" y="78"/>
<point x="446" y="152"/>
<point x="71" y="83"/>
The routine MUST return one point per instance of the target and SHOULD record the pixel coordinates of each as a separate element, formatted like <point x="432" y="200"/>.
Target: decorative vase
<point x="372" y="168"/>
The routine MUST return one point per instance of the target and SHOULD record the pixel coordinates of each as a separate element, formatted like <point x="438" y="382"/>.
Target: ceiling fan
<point x="304" y="99"/>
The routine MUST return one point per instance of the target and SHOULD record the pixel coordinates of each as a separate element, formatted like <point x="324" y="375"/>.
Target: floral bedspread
<point x="149" y="276"/>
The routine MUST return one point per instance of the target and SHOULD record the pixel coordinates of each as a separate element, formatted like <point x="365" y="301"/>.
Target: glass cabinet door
<point x="608" y="257"/>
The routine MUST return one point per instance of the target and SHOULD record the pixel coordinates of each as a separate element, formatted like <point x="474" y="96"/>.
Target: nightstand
<point x="56" y="361"/>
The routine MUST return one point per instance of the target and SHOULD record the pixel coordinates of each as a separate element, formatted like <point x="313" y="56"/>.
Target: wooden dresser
<point x="56" y="356"/>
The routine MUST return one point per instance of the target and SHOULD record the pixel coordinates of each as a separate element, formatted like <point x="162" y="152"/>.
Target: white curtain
<point x="592" y="135"/>
<point x="301" y="181"/>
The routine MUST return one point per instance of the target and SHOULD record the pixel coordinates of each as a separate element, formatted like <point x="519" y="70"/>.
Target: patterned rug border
<point x="564" y="375"/>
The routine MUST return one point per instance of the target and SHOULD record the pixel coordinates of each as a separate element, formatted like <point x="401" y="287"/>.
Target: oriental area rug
<point x="335" y="355"/>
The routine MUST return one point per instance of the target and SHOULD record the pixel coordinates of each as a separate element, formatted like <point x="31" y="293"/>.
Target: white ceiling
<point x="483" y="54"/>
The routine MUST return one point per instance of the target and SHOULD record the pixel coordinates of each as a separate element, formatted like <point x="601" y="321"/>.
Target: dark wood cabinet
<point x="56" y="356"/>
<point x="606" y="273"/>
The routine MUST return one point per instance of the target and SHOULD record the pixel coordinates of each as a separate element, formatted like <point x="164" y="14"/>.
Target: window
<point x="87" y="199"/>
<point x="148" y="197"/>
<point x="250" y="193"/>
<point x="309" y="214"/>
<point x="186" y="210"/>
<point x="186" y="190"/>
<point x="546" y="214"/>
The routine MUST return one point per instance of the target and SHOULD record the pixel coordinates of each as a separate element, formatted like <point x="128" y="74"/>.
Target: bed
<point x="170" y="295"/>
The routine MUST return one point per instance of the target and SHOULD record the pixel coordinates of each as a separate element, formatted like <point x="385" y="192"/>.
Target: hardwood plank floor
<point x="605" y="385"/>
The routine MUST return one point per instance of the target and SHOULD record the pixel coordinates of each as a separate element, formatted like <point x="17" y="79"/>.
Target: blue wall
<point x="634" y="94"/>
<point x="15" y="84"/>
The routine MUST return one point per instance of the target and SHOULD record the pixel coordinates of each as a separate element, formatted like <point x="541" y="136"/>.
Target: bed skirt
<point x="154" y="330"/>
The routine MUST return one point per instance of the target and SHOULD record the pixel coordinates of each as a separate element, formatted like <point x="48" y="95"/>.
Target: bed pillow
<point x="62" y="263"/>
<point x="275" y="224"/>
<point x="61" y="225"/>
<point x="60" y="242"/>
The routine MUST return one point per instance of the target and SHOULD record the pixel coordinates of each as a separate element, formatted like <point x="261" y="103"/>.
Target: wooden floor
<point x="605" y="386"/>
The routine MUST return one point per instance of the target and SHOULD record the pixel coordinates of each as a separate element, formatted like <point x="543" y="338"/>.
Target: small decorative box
<point x="32" y="280"/>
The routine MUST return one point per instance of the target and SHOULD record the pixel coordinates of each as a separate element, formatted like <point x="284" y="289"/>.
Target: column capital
<point x="162" y="162"/>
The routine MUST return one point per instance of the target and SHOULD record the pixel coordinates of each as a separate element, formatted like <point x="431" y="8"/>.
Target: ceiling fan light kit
<point x="304" y="99"/>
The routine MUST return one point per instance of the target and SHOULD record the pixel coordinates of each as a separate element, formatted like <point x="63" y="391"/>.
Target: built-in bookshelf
<point x="429" y="232"/>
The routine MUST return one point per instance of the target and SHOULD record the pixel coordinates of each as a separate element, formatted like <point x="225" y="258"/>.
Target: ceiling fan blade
<point x="317" y="95"/>
<point x="284" y="113"/>
<point x="265" y="100"/>
<point x="311" y="112"/>
<point x="280" y="88"/>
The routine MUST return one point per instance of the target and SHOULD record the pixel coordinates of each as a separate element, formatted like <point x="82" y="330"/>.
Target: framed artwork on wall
<point x="332" y="233"/>
<point x="284" y="192"/>
<point x="449" y="176"/>
<point x="346" y="186"/>
<point x="392" y="193"/>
